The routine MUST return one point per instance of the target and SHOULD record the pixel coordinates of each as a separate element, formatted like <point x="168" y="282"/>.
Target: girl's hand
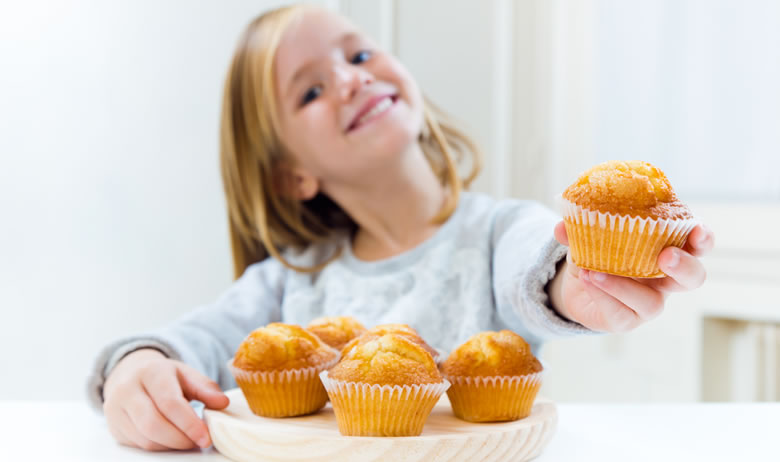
<point x="146" y="402"/>
<point x="608" y="303"/>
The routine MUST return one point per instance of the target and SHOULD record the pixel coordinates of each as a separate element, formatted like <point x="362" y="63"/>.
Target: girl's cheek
<point x="319" y="124"/>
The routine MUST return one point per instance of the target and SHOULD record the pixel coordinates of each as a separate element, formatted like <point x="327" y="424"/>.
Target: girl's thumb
<point x="197" y="386"/>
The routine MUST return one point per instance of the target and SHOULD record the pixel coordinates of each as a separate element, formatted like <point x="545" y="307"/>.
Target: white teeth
<point x="380" y="107"/>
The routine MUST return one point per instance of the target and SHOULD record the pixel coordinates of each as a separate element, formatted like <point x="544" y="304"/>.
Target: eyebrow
<point x="346" y="37"/>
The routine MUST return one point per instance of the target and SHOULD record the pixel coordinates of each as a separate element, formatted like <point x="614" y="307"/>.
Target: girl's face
<point x="347" y="110"/>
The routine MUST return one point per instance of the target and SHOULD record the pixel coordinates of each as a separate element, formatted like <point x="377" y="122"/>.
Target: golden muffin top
<point x="336" y="331"/>
<point x="492" y="353"/>
<point x="279" y="346"/>
<point x="390" y="359"/>
<point x="403" y="330"/>
<point x="628" y="188"/>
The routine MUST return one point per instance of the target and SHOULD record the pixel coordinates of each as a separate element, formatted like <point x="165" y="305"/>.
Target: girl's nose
<point x="350" y="79"/>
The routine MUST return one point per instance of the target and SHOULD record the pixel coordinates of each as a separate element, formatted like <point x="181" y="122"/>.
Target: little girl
<point x="336" y="166"/>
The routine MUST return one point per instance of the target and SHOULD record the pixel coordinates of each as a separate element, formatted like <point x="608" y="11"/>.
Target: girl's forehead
<point x="313" y="34"/>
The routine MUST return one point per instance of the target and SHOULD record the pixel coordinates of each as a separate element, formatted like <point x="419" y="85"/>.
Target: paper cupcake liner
<point x="621" y="244"/>
<point x="286" y="393"/>
<point x="364" y="409"/>
<point x="495" y="398"/>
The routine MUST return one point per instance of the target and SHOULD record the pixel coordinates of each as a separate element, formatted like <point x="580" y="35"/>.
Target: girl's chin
<point x="391" y="143"/>
<point x="394" y="131"/>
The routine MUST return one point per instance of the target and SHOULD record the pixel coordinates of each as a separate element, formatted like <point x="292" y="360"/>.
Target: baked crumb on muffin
<point x="403" y="330"/>
<point x="279" y="346"/>
<point x="336" y="331"/>
<point x="631" y="187"/>
<point x="390" y="359"/>
<point x="492" y="353"/>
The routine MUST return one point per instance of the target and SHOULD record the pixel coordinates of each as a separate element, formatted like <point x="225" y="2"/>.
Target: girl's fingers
<point x="166" y="394"/>
<point x="664" y="284"/>
<point x="152" y="425"/>
<point x="118" y="420"/>
<point x="700" y="241"/>
<point x="645" y="301"/>
<point x="132" y="433"/>
<point x="682" y="267"/>
<point x="571" y="268"/>
<point x="604" y="312"/>
<point x="560" y="233"/>
<point x="199" y="387"/>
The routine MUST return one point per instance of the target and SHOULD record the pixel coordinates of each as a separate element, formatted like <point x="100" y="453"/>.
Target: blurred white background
<point x="111" y="212"/>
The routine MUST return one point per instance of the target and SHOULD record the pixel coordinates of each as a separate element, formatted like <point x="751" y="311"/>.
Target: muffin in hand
<point x="619" y="216"/>
<point x="386" y="386"/>
<point x="494" y="377"/>
<point x="336" y="331"/>
<point x="277" y="369"/>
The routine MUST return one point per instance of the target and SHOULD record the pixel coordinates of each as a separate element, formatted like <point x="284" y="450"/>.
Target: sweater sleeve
<point x="207" y="337"/>
<point x="525" y="255"/>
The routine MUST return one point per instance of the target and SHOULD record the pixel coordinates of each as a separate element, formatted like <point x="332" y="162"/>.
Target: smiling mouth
<point x="379" y="108"/>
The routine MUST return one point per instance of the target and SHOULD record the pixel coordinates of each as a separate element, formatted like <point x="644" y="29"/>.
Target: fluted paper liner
<point x="285" y="393"/>
<point x="493" y="398"/>
<point x="364" y="409"/>
<point x="620" y="244"/>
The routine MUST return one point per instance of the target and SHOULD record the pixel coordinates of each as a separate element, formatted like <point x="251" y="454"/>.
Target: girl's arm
<point x="206" y="338"/>
<point x="525" y="261"/>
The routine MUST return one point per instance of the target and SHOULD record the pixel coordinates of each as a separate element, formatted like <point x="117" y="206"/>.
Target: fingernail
<point x="705" y="235"/>
<point x="598" y="277"/>
<point x="674" y="259"/>
<point x="584" y="275"/>
<point x="204" y="442"/>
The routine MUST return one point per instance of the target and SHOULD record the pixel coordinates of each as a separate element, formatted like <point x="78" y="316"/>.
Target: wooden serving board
<point x="243" y="436"/>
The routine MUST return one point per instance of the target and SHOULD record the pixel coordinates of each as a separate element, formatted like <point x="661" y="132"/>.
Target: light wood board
<point x="242" y="436"/>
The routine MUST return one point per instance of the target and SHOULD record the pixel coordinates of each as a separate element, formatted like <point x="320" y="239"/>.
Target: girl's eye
<point x="311" y="94"/>
<point x="361" y="57"/>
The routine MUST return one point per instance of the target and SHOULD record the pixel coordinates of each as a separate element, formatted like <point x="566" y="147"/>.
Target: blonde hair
<point x="261" y="220"/>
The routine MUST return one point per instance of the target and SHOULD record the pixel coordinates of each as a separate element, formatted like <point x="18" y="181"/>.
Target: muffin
<point x="404" y="330"/>
<point x="620" y="215"/>
<point x="494" y="377"/>
<point x="277" y="369"/>
<point x="386" y="386"/>
<point x="336" y="331"/>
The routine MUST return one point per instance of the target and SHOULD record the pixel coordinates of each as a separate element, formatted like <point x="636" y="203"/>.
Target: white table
<point x="70" y="431"/>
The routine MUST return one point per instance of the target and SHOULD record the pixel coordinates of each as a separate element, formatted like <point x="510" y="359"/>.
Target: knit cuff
<point x="534" y="303"/>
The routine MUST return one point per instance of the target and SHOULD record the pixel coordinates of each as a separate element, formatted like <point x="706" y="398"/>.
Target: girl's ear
<point x="295" y="182"/>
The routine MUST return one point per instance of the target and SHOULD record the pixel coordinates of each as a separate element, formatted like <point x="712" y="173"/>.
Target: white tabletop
<point x="70" y="431"/>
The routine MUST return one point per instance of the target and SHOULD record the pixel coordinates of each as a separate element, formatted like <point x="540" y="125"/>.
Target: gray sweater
<point x="484" y="269"/>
